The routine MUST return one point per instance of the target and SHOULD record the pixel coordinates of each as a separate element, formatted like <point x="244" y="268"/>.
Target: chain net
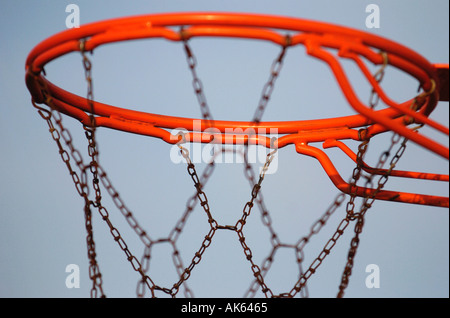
<point x="90" y="180"/>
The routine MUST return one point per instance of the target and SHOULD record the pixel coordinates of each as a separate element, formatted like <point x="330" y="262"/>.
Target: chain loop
<point x="270" y="84"/>
<point x="378" y="76"/>
<point x="196" y="82"/>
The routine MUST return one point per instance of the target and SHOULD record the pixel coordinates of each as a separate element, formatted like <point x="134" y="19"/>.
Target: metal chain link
<point x="95" y="169"/>
<point x="257" y="273"/>
<point x="315" y="229"/>
<point x="83" y="188"/>
<point x="266" y="94"/>
<point x="80" y="185"/>
<point x="270" y="84"/>
<point x="201" y="196"/>
<point x="238" y="227"/>
<point x="366" y="204"/>
<point x="93" y="153"/>
<point x="196" y="82"/>
<point x="350" y="214"/>
<point x="368" y="200"/>
<point x="378" y="76"/>
<point x="266" y="220"/>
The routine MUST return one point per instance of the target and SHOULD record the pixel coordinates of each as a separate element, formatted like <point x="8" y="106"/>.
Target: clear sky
<point x="42" y="222"/>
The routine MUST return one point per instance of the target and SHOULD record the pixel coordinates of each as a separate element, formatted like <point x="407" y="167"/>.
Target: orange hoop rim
<point x="350" y="44"/>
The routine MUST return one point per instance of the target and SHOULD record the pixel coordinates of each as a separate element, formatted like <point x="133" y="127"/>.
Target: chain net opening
<point x="92" y="184"/>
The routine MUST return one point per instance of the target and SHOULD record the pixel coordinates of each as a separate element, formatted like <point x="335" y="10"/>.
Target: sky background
<point x="41" y="215"/>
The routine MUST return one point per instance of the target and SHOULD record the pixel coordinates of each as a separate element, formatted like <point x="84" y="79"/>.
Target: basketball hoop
<point x="320" y="41"/>
<point x="315" y="36"/>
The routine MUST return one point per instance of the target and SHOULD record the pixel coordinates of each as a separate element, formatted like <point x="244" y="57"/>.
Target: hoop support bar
<point x="361" y="191"/>
<point x="329" y="143"/>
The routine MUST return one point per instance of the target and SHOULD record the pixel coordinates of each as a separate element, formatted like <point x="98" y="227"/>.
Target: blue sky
<point x="42" y="229"/>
